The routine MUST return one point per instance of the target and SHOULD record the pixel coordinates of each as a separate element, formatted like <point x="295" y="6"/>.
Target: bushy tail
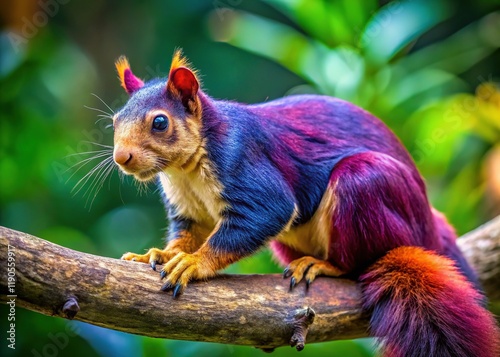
<point x="423" y="307"/>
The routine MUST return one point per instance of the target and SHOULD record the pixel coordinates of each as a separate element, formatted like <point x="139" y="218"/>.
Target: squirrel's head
<point x="159" y="127"/>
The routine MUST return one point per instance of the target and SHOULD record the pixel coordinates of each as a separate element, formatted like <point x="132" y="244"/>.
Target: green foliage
<point x="413" y="63"/>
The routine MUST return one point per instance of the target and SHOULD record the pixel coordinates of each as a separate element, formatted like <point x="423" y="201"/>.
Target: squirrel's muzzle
<point x="122" y="156"/>
<point x="139" y="163"/>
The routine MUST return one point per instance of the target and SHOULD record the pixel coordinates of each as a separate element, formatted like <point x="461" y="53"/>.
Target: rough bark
<point x="255" y="310"/>
<point x="481" y="248"/>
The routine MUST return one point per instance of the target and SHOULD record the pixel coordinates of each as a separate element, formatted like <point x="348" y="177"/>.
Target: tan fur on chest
<point x="196" y="194"/>
<point x="313" y="237"/>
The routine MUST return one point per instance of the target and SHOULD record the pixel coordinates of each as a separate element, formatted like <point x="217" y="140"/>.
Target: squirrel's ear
<point x="182" y="81"/>
<point x="129" y="82"/>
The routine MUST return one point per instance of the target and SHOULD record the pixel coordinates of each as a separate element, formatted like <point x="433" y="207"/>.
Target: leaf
<point x="344" y="71"/>
<point x="437" y="130"/>
<point x="459" y="52"/>
<point x="403" y="87"/>
<point x="278" y="42"/>
<point x="331" y="22"/>
<point x="311" y="16"/>
<point x="396" y="25"/>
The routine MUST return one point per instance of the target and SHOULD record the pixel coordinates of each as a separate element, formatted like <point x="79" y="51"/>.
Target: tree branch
<point x="254" y="310"/>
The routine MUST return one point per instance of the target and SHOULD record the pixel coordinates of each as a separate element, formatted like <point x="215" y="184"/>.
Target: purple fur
<point x="284" y="253"/>
<point x="381" y="205"/>
<point x="131" y="82"/>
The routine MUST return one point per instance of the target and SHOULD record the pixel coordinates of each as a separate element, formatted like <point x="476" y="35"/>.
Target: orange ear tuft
<point x="180" y="61"/>
<point x="121" y="65"/>
<point x="127" y="79"/>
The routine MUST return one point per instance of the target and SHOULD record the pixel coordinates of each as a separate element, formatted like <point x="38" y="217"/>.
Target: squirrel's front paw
<point x="153" y="257"/>
<point x="184" y="268"/>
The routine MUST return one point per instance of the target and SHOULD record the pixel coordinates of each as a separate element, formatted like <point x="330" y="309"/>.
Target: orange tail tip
<point x="422" y="306"/>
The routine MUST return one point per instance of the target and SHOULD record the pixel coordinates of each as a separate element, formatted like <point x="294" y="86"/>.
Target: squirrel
<point x="325" y="184"/>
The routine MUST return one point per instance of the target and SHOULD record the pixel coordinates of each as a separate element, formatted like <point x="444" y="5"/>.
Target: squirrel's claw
<point x="308" y="283"/>
<point x="153" y="257"/>
<point x="167" y="286"/>
<point x="310" y="268"/>
<point x="287" y="273"/>
<point x="182" y="269"/>
<point x="177" y="290"/>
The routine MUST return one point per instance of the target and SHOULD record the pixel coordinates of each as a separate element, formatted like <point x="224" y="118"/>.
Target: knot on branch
<point x="71" y="308"/>
<point x="301" y="321"/>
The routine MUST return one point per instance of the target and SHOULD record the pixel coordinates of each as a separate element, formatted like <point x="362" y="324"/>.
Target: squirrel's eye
<point x="160" y="123"/>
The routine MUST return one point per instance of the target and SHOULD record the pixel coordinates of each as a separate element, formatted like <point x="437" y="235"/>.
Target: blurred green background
<point x="427" y="68"/>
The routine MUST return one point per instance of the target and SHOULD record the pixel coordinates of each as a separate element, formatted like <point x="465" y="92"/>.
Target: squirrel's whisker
<point x="83" y="162"/>
<point x="104" y="117"/>
<point x="99" y="180"/>
<point x="103" y="102"/>
<point x="98" y="144"/>
<point x="89" y="152"/>
<point x="89" y="174"/>
<point x="98" y="110"/>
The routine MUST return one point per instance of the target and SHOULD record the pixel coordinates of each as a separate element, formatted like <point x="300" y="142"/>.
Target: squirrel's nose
<point x="122" y="157"/>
